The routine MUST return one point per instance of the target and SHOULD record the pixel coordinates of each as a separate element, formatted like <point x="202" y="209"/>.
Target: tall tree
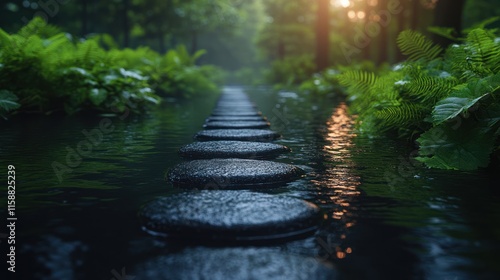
<point x="448" y="14"/>
<point x="322" y="34"/>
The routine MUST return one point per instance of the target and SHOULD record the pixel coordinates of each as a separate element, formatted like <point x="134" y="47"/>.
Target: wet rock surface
<point x="232" y="149"/>
<point x="251" y="113"/>
<point x="234" y="263"/>
<point x="232" y="173"/>
<point x="228" y="215"/>
<point x="236" y="124"/>
<point x="235" y="118"/>
<point x="260" y="135"/>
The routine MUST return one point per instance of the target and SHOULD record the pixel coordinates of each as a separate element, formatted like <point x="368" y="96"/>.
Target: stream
<point x="80" y="182"/>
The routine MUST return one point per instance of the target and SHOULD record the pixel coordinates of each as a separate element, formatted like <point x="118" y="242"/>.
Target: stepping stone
<point x="232" y="173"/>
<point x="235" y="108"/>
<point x="236" y="113"/>
<point x="261" y="135"/>
<point x="236" y="124"/>
<point x="214" y="215"/>
<point x="235" y="118"/>
<point x="242" y="263"/>
<point x="232" y="149"/>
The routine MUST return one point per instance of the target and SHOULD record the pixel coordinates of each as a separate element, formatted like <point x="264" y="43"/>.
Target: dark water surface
<point x="386" y="217"/>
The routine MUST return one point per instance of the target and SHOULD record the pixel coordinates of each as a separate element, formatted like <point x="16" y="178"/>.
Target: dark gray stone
<point x="241" y="263"/>
<point x="232" y="173"/>
<point x="232" y="149"/>
<point x="245" y="104"/>
<point x="239" y="216"/>
<point x="236" y="113"/>
<point x="235" y="118"/>
<point x="261" y="135"/>
<point x="236" y="124"/>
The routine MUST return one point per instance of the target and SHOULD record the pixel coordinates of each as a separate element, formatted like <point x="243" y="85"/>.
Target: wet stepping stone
<point x="261" y="135"/>
<point x="235" y="103"/>
<point x="236" y="113"/>
<point x="232" y="173"/>
<point x="236" y="124"/>
<point x="212" y="215"/>
<point x="235" y="118"/>
<point x="232" y="149"/>
<point x="242" y="263"/>
<point x="234" y="108"/>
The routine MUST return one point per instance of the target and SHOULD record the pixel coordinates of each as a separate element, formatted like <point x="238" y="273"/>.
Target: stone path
<point x="218" y="204"/>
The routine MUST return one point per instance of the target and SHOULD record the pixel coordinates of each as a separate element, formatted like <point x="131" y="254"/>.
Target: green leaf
<point x="97" y="96"/>
<point x="463" y="98"/>
<point x="446" y="32"/>
<point x="451" y="107"/>
<point x="465" y="148"/>
<point x="8" y="101"/>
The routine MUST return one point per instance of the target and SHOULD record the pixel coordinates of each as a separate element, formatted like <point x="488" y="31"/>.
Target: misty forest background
<point x="240" y="35"/>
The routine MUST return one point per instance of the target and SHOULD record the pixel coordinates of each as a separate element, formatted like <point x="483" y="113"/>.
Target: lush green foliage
<point x="45" y="70"/>
<point x="291" y="70"/>
<point x="449" y="98"/>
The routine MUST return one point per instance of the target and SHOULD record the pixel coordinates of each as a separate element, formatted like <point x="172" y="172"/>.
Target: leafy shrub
<point x="448" y="98"/>
<point x="44" y="70"/>
<point x="291" y="70"/>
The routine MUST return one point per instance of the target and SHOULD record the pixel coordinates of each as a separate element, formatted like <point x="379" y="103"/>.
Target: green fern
<point x="359" y="82"/>
<point x="446" y="32"/>
<point x="429" y="89"/>
<point x="403" y="115"/>
<point x="484" y="52"/>
<point x="417" y="47"/>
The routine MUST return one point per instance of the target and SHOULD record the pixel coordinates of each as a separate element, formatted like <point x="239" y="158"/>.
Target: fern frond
<point x="416" y="46"/>
<point x="446" y="32"/>
<point x="429" y="89"/>
<point x="485" y="54"/>
<point x="403" y="115"/>
<point x="482" y="24"/>
<point x="5" y="38"/>
<point x="89" y="53"/>
<point x="358" y="82"/>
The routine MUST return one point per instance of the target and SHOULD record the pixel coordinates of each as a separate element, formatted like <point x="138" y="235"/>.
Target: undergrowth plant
<point x="45" y="70"/>
<point x="449" y="99"/>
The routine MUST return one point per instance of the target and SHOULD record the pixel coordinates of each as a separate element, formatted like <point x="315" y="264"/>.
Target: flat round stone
<point x="234" y="263"/>
<point x="235" y="104"/>
<point x="235" y="118"/>
<point x="262" y="135"/>
<point x="236" y="124"/>
<point x="232" y="173"/>
<point x="232" y="149"/>
<point x="214" y="215"/>
<point x="236" y="113"/>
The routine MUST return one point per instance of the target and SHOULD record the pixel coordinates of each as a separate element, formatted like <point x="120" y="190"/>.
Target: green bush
<point x="448" y="98"/>
<point x="291" y="70"/>
<point x="44" y="70"/>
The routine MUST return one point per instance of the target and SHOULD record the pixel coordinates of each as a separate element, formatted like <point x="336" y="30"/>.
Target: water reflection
<point x="337" y="185"/>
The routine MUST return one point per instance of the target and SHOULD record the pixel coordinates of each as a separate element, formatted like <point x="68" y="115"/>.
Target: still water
<point x="386" y="217"/>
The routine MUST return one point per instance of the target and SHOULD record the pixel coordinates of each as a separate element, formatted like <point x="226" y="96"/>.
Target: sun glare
<point x="341" y="3"/>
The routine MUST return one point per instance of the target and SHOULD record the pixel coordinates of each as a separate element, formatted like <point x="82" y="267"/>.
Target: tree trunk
<point x="126" y="24"/>
<point x="415" y="14"/>
<point x="322" y="35"/>
<point x="161" y="42"/>
<point x="383" y="50"/>
<point x="281" y="49"/>
<point x="448" y="13"/>
<point x="194" y="42"/>
<point x="84" y="17"/>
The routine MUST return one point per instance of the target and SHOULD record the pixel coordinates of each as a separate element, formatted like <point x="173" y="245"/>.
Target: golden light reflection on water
<point x="339" y="184"/>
